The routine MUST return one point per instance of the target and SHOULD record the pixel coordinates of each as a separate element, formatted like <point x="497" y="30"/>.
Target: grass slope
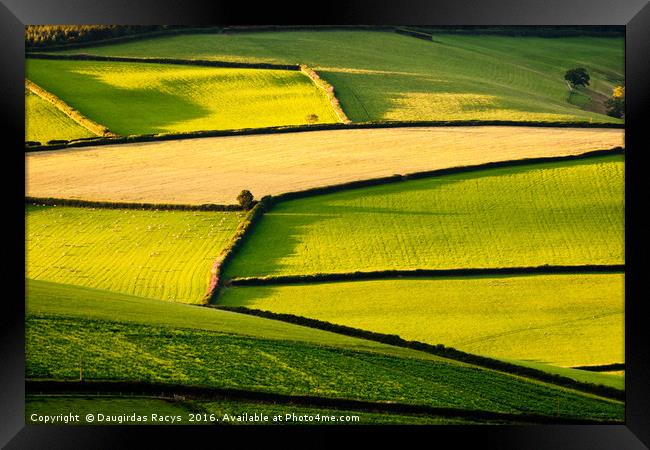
<point x="43" y="122"/>
<point x="132" y="98"/>
<point x="56" y="347"/>
<point x="217" y="169"/>
<point x="552" y="213"/>
<point x="159" y="254"/>
<point x="120" y="337"/>
<point x="565" y="320"/>
<point x="386" y="76"/>
<point x="53" y="299"/>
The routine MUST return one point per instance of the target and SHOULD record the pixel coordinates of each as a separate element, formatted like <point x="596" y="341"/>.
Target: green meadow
<point x="119" y="337"/>
<point x="160" y="254"/>
<point x="59" y="348"/>
<point x="143" y="98"/>
<point x="561" y="213"/>
<point x="564" y="320"/>
<point x="387" y="76"/>
<point x="43" y="122"/>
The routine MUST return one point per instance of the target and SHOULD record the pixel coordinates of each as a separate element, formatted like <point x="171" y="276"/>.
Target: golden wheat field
<point x="215" y="170"/>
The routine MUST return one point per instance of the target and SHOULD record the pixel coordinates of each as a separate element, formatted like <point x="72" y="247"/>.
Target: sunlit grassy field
<point x="386" y="76"/>
<point x="561" y="213"/>
<point x="217" y="169"/>
<point x="565" y="320"/>
<point x="43" y="122"/>
<point x="160" y="254"/>
<point x="56" y="346"/>
<point x="131" y="98"/>
<point x="45" y="298"/>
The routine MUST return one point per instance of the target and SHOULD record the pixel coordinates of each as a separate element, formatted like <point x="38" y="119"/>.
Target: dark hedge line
<point x="439" y="350"/>
<point x="240" y="236"/>
<point x="602" y="368"/>
<point x="176" y="61"/>
<point x="316" y="127"/>
<point x="50" y="201"/>
<point x="213" y="393"/>
<point x="415" y="34"/>
<point x="420" y="273"/>
<point x="550" y="31"/>
<point x="437" y="172"/>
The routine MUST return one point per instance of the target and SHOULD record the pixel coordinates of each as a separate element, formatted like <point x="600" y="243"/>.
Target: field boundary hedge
<point x="173" y="61"/>
<point x="87" y="142"/>
<point x="420" y="273"/>
<point x="34" y="387"/>
<point x="51" y="201"/>
<point x="439" y="172"/>
<point x="438" y="350"/>
<point x="68" y="110"/>
<point x="548" y="31"/>
<point x="328" y="89"/>
<point x="241" y="234"/>
<point x="602" y="367"/>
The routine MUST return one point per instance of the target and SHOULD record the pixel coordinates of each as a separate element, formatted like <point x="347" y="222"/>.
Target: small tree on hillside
<point x="245" y="199"/>
<point x="616" y="104"/>
<point x="577" y="77"/>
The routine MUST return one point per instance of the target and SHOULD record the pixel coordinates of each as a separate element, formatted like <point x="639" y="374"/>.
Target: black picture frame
<point x="634" y="15"/>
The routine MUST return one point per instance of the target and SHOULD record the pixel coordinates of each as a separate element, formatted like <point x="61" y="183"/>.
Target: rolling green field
<point x="53" y="299"/>
<point x="161" y="254"/>
<point x="43" y="122"/>
<point x="565" y="320"/>
<point x="59" y="300"/>
<point x="131" y="98"/>
<point x="561" y="213"/>
<point x="386" y="76"/>
<point x="56" y="347"/>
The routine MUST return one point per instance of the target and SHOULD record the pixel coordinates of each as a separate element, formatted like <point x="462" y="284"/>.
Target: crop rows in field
<point x="566" y="213"/>
<point x="387" y="76"/>
<point x="142" y="98"/>
<point x="217" y="169"/>
<point x="158" y="254"/>
<point x="564" y="320"/>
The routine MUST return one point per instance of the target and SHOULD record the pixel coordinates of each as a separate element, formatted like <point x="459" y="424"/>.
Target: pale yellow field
<point x="215" y="170"/>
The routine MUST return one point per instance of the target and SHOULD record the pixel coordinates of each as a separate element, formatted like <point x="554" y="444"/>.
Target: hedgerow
<point x="438" y="350"/>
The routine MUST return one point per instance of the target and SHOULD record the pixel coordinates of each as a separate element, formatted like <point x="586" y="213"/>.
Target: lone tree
<point x="245" y="199"/>
<point x="577" y="77"/>
<point x="616" y="103"/>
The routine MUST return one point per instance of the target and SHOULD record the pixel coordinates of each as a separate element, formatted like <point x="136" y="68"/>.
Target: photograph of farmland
<point x="324" y="225"/>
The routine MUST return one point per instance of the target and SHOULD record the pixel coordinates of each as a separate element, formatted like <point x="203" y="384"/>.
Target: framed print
<point x="384" y="219"/>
